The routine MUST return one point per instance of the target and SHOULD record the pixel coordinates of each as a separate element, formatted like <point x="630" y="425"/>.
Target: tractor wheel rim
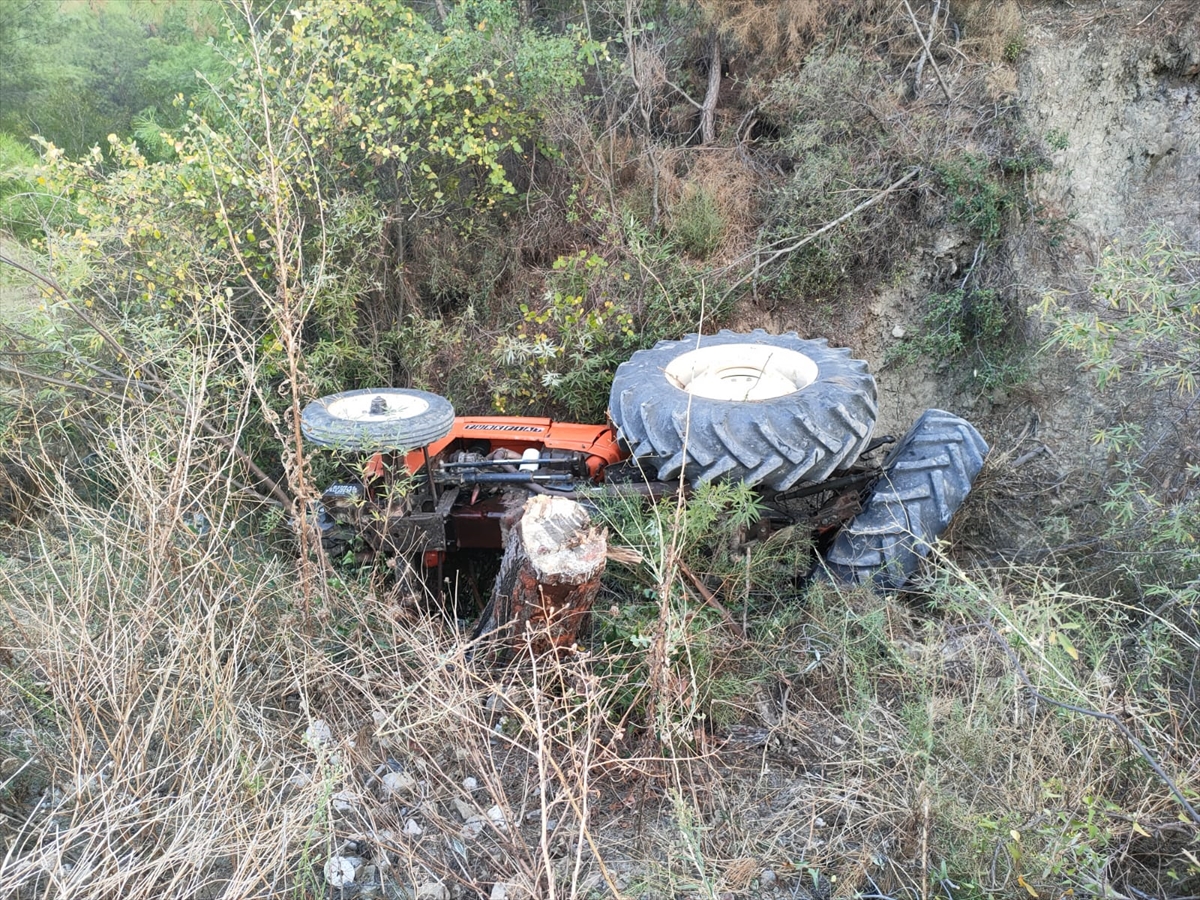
<point x="742" y="372"/>
<point x="365" y="407"/>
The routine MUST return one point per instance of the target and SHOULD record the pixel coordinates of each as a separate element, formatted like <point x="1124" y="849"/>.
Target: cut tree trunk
<point x="549" y="576"/>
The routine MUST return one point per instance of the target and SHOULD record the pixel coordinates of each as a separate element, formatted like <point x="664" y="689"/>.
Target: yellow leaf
<point x="1023" y="883"/>
<point x="1016" y="835"/>
<point x="1065" y="643"/>
<point x="1138" y="829"/>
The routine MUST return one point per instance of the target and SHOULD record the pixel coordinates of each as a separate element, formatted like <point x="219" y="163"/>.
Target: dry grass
<point x="176" y="727"/>
<point x="785" y="31"/>
<point x="991" y="28"/>
<point x="180" y="718"/>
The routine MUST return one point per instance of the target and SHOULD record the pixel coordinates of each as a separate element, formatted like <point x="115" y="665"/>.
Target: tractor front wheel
<point x="375" y="419"/>
<point x="925" y="479"/>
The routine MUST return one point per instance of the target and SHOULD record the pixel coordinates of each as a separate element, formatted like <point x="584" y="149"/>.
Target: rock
<point x="412" y="828"/>
<point x="465" y="810"/>
<point x="496" y="817"/>
<point x="340" y="870"/>
<point x="767" y="879"/>
<point x="398" y="783"/>
<point x="318" y="733"/>
<point x="899" y="331"/>
<point x="344" y="801"/>
<point x="473" y="827"/>
<point x="433" y="890"/>
<point x="499" y="891"/>
<point x="470" y="784"/>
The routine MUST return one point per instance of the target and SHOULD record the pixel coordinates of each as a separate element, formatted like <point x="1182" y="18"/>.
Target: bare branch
<point x="1095" y="714"/>
<point x="929" y="50"/>
<point x="809" y="238"/>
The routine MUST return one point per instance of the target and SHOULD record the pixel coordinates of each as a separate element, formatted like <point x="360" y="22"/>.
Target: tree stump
<point x="549" y="576"/>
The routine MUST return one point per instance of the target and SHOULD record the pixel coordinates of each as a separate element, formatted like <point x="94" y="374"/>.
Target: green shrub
<point x="978" y="200"/>
<point x="960" y="325"/>
<point x="593" y="315"/>
<point x="1144" y="323"/>
<point x="697" y="224"/>
<point x="837" y="150"/>
<point x="23" y="203"/>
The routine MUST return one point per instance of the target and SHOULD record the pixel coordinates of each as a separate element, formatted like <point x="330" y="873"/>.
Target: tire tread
<point x="777" y="443"/>
<point x="926" y="478"/>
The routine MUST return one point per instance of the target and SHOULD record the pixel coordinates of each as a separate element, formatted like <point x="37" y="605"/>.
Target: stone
<point x="412" y="828"/>
<point x="465" y="810"/>
<point x="340" y="870"/>
<point x="433" y="890"/>
<point x="473" y="827"/>
<point x="398" y="783"/>
<point x="344" y="801"/>
<point x="318" y="733"/>
<point x="899" y="331"/>
<point x="497" y="818"/>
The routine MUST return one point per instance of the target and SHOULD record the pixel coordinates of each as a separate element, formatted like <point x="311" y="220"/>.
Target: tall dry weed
<point x="784" y="31"/>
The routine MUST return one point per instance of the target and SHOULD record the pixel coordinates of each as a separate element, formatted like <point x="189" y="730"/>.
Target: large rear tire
<point x="377" y="419"/>
<point x="763" y="409"/>
<point x="926" y="478"/>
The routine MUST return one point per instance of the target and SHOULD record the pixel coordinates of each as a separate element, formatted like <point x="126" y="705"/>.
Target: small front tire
<point x="375" y="419"/>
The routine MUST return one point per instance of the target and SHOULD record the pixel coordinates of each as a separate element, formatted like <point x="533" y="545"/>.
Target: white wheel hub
<point x="741" y="372"/>
<point x="380" y="407"/>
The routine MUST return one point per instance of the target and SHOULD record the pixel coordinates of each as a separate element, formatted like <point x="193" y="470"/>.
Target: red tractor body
<point x="452" y="493"/>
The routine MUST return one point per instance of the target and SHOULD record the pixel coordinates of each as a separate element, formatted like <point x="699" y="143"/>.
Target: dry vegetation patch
<point x="177" y="724"/>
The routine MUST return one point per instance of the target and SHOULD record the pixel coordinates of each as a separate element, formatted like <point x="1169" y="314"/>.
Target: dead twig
<point x="147" y="379"/>
<point x="712" y="601"/>
<point x="809" y="238"/>
<point x="929" y="50"/>
<point x="276" y="493"/>
<point x="1094" y="714"/>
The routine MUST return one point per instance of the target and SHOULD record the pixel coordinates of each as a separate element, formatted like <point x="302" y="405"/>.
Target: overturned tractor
<point x="792" y="417"/>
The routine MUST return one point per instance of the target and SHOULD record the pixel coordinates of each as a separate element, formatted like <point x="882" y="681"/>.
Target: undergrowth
<point x="187" y="711"/>
<point x="182" y="720"/>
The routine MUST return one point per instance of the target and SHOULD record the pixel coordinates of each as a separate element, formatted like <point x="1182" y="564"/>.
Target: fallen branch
<point x="708" y="130"/>
<point x="712" y="601"/>
<point x="808" y="239"/>
<point x="928" y="49"/>
<point x="937" y="5"/>
<point x="1092" y="713"/>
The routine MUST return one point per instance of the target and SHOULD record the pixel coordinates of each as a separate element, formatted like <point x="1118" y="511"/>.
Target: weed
<point x="1058" y="139"/>
<point x="836" y="147"/>
<point x="697" y="224"/>
<point x="964" y="326"/>
<point x="977" y="199"/>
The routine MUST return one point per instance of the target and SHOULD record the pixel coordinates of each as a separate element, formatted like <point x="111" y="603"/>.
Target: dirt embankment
<point x="1112" y="92"/>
